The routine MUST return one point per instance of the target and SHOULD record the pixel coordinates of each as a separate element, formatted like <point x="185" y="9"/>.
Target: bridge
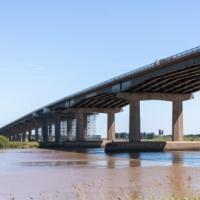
<point x="173" y="79"/>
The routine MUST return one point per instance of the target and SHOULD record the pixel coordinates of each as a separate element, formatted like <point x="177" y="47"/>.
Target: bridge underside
<point x="184" y="81"/>
<point x="181" y="81"/>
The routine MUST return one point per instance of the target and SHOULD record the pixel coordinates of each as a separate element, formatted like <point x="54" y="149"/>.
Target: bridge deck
<point x="176" y="74"/>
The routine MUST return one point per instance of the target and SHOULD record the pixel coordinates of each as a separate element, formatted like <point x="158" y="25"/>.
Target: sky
<point x="52" y="48"/>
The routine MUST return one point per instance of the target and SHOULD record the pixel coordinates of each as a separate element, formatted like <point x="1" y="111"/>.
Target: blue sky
<point x="49" y="49"/>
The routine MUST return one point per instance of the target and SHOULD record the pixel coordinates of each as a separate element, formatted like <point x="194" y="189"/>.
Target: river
<point x="91" y="174"/>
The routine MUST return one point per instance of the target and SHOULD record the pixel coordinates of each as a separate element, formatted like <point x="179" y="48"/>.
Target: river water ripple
<point x="93" y="174"/>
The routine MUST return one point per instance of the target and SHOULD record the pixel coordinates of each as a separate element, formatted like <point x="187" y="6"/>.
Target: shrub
<point x="23" y="145"/>
<point x="4" y="143"/>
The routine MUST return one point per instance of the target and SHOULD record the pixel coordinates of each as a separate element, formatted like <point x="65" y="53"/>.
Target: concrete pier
<point x="29" y="134"/>
<point x="57" y="131"/>
<point x="85" y="125"/>
<point x="177" y="118"/>
<point x="69" y="130"/>
<point x="134" y="121"/>
<point x="24" y="136"/>
<point x="111" y="126"/>
<point x="45" y="132"/>
<point x="80" y="127"/>
<point x="36" y="134"/>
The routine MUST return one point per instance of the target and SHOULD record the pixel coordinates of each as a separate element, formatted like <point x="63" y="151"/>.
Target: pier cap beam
<point x="95" y="110"/>
<point x="156" y="96"/>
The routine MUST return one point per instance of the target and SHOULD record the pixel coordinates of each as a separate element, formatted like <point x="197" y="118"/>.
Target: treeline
<point x="144" y="135"/>
<point x="153" y="136"/>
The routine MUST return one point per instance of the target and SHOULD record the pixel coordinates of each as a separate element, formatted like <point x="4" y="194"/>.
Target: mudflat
<point x="92" y="174"/>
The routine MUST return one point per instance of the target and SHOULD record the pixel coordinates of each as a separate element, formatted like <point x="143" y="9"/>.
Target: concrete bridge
<point x="173" y="79"/>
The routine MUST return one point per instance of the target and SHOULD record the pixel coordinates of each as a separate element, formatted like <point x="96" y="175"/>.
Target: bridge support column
<point x="111" y="126"/>
<point x="79" y="127"/>
<point x="20" y="137"/>
<point x="57" y="131"/>
<point x="36" y="125"/>
<point x="49" y="130"/>
<point x="80" y="136"/>
<point x="45" y="132"/>
<point x="85" y="125"/>
<point x="24" y="136"/>
<point x="177" y="126"/>
<point x="69" y="130"/>
<point x="36" y="134"/>
<point x="17" y="136"/>
<point x="29" y="134"/>
<point x="9" y="138"/>
<point x="134" y="121"/>
<point x="13" y="134"/>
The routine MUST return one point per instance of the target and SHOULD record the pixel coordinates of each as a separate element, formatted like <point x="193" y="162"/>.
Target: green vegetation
<point x="153" y="137"/>
<point x="4" y="143"/>
<point x="161" y="138"/>
<point x="192" y="137"/>
<point x="169" y="138"/>
<point x="23" y="145"/>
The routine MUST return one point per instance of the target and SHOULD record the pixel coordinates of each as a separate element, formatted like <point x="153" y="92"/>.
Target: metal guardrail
<point x="149" y="66"/>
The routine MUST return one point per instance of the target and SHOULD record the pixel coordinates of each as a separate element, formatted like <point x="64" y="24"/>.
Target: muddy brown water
<point x="91" y="174"/>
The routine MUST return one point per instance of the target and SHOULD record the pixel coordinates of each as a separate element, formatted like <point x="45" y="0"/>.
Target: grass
<point x="23" y="145"/>
<point x="169" y="138"/>
<point x="5" y="143"/>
